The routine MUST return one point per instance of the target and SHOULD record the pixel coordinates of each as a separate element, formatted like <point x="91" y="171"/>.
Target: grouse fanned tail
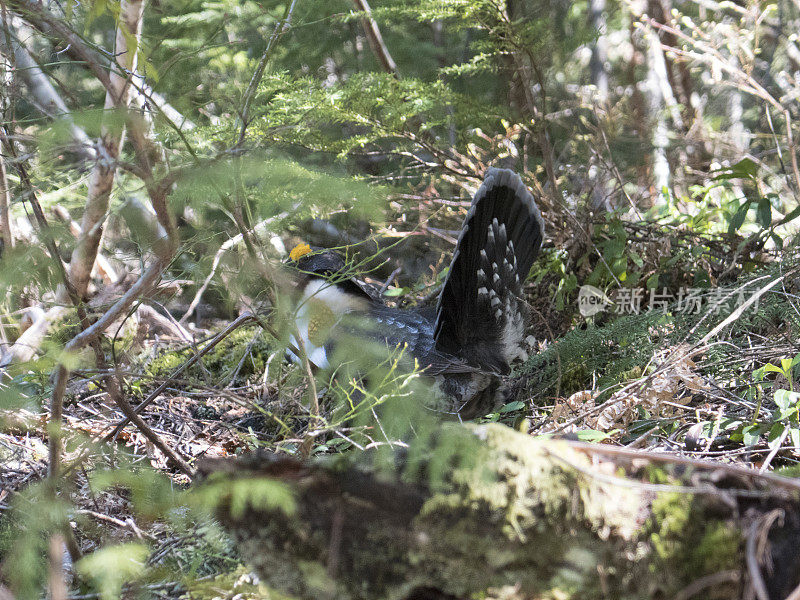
<point x="481" y="314"/>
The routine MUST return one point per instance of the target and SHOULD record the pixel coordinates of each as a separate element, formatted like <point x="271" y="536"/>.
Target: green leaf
<point x="782" y="399"/>
<point x="512" y="406"/>
<point x="113" y="566"/>
<point x="396" y="291"/>
<point x="794" y="433"/>
<point x="786" y="401"/>
<point x="744" y="169"/>
<point x="751" y="434"/>
<point x="738" y="219"/>
<point x="770" y="368"/>
<point x="591" y="435"/>
<point x="795" y="212"/>
<point x="774" y="435"/>
<point x="764" y="213"/>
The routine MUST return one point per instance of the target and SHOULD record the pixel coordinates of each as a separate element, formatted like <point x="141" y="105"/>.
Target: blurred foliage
<point x="333" y="143"/>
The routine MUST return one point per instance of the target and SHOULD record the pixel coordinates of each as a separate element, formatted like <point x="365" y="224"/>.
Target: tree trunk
<point x="5" y="202"/>
<point x="597" y="64"/>
<point x="517" y="518"/>
<point x="102" y="177"/>
<point x="658" y="124"/>
<point x="662" y="102"/>
<point x="599" y="77"/>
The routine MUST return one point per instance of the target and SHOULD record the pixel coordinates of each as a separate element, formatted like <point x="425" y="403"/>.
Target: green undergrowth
<point x="602" y="355"/>
<point x="598" y="355"/>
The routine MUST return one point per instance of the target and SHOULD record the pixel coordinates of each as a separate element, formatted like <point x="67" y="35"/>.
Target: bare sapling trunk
<point x="102" y="178"/>
<point x="375" y="39"/>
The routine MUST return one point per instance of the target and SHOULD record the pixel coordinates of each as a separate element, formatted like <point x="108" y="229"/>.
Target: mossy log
<point x="527" y="519"/>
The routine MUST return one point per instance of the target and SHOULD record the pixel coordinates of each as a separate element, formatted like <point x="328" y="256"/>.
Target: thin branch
<point x="375" y="39"/>
<point x="250" y="92"/>
<point x="225" y="247"/>
<point x="38" y="15"/>
<point x="44" y="94"/>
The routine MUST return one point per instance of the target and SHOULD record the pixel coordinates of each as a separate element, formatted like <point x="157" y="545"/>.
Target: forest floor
<point x="716" y="385"/>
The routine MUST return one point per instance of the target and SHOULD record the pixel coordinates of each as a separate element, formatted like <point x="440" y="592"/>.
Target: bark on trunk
<point x="660" y="98"/>
<point x="599" y="78"/>
<point x="524" y="519"/>
<point x="597" y="64"/>
<point x="102" y="177"/>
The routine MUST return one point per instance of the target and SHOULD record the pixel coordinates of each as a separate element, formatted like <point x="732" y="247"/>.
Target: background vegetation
<point x="159" y="159"/>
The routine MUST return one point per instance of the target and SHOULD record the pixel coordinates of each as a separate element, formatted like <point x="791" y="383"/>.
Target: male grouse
<point x="467" y="344"/>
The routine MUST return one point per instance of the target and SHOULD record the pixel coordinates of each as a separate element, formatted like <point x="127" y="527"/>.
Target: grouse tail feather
<point x="481" y="315"/>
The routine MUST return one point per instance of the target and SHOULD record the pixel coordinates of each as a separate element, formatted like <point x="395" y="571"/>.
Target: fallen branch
<point x="519" y="514"/>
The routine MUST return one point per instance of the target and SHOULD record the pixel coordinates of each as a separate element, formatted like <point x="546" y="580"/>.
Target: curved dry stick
<point x="751" y="554"/>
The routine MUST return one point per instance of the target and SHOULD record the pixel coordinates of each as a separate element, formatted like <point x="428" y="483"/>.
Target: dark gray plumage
<point x="478" y="326"/>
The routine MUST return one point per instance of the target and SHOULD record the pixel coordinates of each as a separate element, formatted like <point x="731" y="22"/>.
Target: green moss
<point x="670" y="518"/>
<point x="539" y="514"/>
<point x="719" y="548"/>
<point x="683" y="542"/>
<point x="248" y="345"/>
<point x="166" y="362"/>
<point x="244" y="353"/>
<point x="522" y="503"/>
<point x="789" y="471"/>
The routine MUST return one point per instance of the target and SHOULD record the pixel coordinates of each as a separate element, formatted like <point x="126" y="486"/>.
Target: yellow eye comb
<point x="299" y="251"/>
